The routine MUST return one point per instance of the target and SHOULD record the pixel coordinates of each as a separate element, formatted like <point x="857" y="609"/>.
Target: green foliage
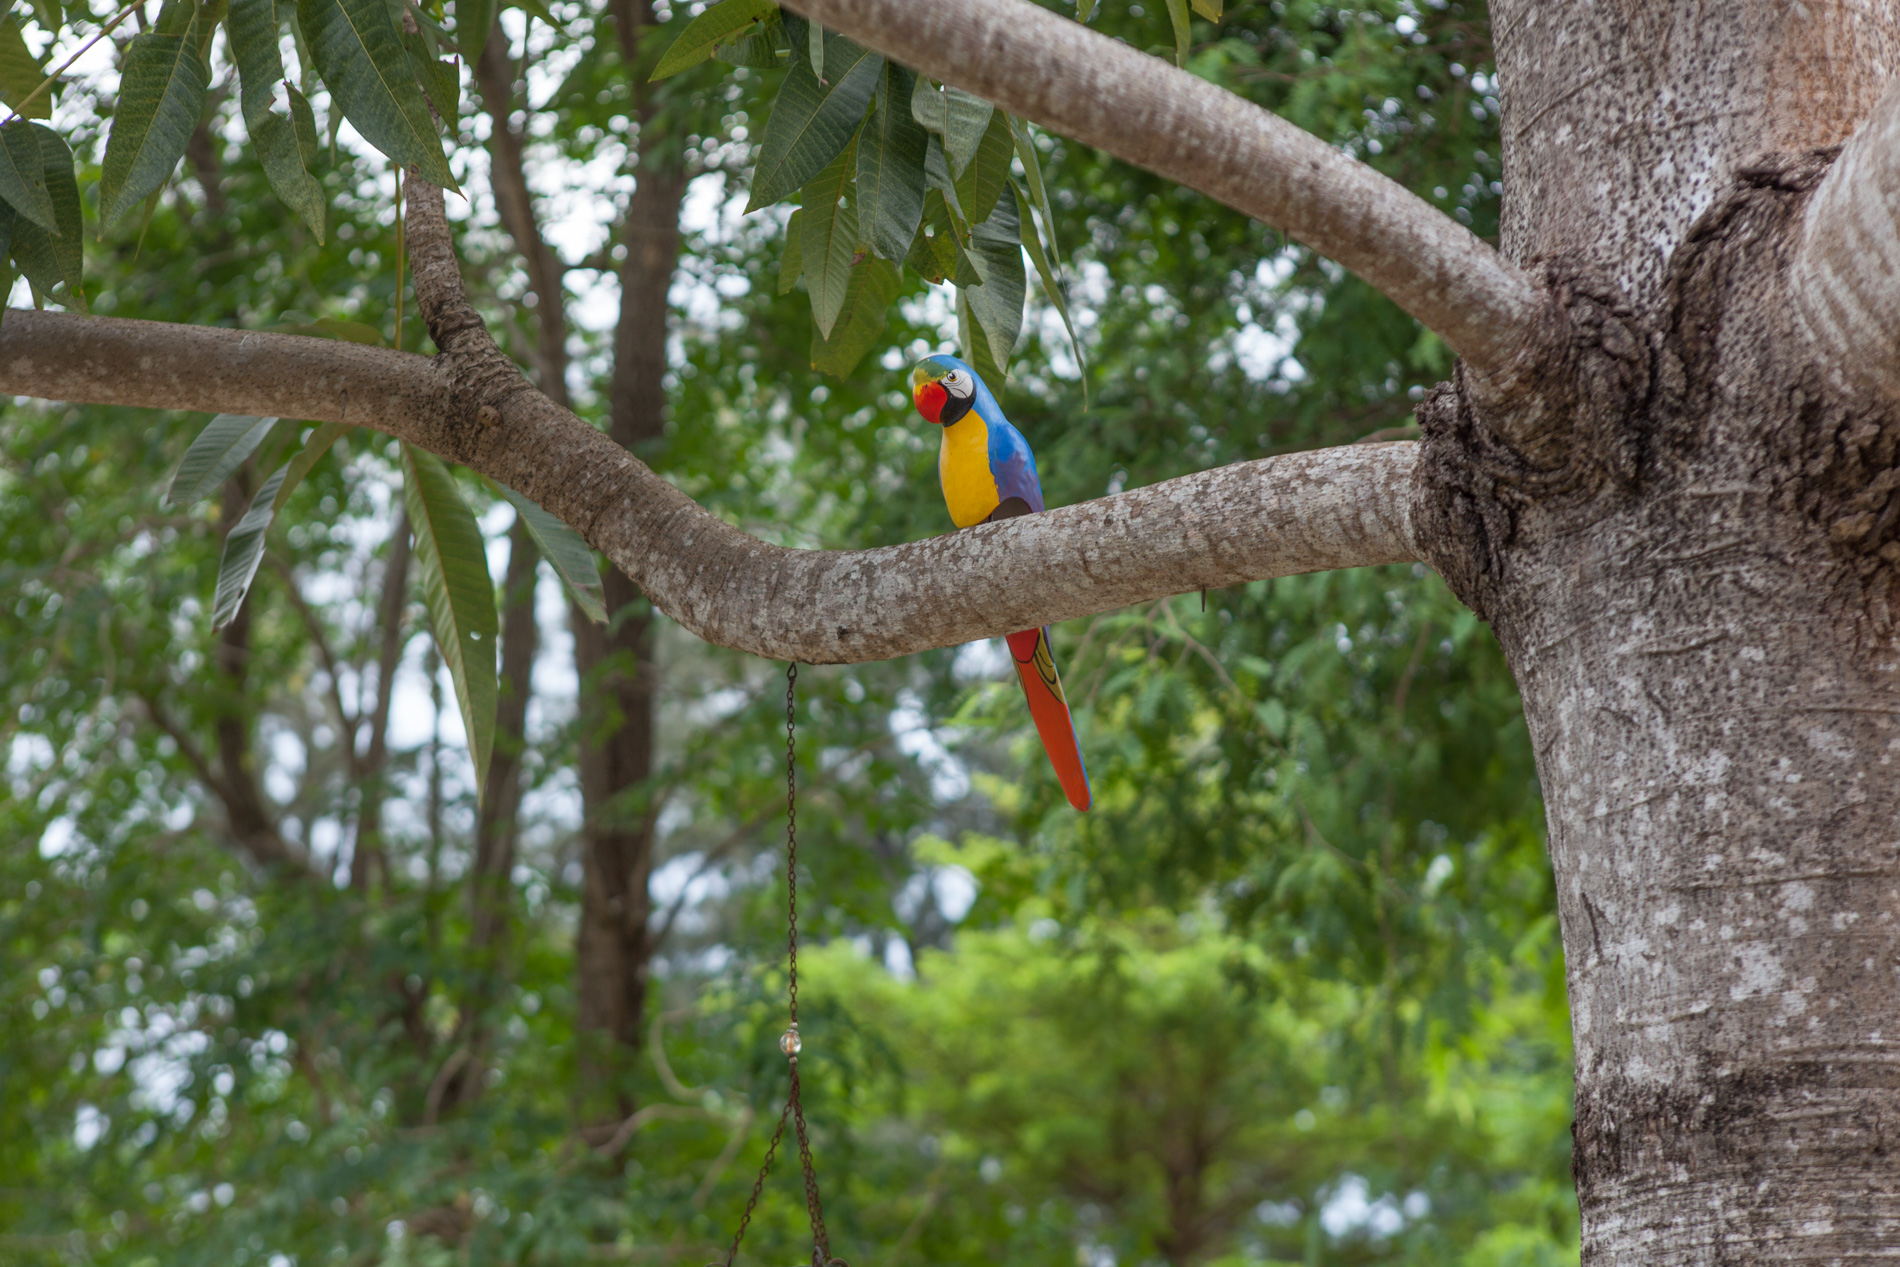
<point x="54" y="258"/>
<point x="360" y="53"/>
<point x="460" y="595"/>
<point x="162" y="87"/>
<point x="21" y="73"/>
<point x="566" y="552"/>
<point x="217" y="452"/>
<point x="726" y="22"/>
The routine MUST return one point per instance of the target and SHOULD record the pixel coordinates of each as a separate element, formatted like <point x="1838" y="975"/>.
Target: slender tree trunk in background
<point x="1686" y="539"/>
<point x="368" y="856"/>
<point x="616" y="662"/>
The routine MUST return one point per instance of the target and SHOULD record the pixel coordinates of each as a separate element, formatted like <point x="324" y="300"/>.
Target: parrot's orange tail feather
<point x="1049" y="707"/>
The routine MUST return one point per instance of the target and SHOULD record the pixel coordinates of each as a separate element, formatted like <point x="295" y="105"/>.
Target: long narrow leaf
<point x="8" y="218"/>
<point x="287" y="155"/>
<point x="251" y="26"/>
<point x="1032" y="170"/>
<point x="219" y="449"/>
<point x="1178" y="16"/>
<point x="983" y="179"/>
<point x="791" y="261"/>
<point x="828" y="232"/>
<point x="361" y="56"/>
<point x="960" y="118"/>
<point x="162" y="90"/>
<point x="811" y="123"/>
<point x="21" y="72"/>
<point x="996" y="251"/>
<point x="1032" y="242"/>
<point x="23" y="175"/>
<point x="562" y="547"/>
<point x="867" y="304"/>
<point x="313" y="449"/>
<point x="722" y="23"/>
<point x="473" y="20"/>
<point x="244" y="547"/>
<point x="891" y="169"/>
<point x="244" y="550"/>
<point x="48" y="260"/>
<point x="459" y="592"/>
<point x="282" y="155"/>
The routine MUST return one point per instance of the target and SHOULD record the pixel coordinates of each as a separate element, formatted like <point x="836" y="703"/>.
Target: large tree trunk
<point x="1681" y="527"/>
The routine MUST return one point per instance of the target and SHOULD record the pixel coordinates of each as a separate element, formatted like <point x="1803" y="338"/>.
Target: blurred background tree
<point x="276" y="988"/>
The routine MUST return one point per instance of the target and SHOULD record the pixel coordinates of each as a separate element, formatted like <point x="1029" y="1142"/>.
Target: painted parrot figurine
<point x="988" y="473"/>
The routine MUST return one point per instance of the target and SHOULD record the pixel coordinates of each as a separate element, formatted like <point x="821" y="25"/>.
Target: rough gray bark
<point x="1684" y="528"/>
<point x="1303" y="512"/>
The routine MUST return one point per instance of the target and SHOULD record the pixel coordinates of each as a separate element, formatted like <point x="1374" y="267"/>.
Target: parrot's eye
<point x="957" y="383"/>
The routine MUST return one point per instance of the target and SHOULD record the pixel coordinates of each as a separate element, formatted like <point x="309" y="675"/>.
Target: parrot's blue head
<point x="944" y="388"/>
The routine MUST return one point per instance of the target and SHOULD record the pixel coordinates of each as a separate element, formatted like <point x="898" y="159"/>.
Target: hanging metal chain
<point x="789" y="1042"/>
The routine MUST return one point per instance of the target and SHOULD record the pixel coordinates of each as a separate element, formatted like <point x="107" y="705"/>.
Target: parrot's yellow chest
<point x="963" y="468"/>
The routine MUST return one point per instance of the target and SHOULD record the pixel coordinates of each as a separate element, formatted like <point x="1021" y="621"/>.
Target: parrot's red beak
<point x="930" y="398"/>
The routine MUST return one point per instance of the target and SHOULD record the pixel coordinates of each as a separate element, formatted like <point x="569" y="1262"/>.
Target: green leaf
<point x="251" y="27"/>
<point x="812" y="123"/>
<point x="1084" y="10"/>
<point x="453" y="565"/>
<point x="313" y="449"/>
<point x="791" y="262"/>
<point x="48" y="259"/>
<point x="1209" y="9"/>
<point x="361" y="56"/>
<point x="1032" y="169"/>
<point x="722" y="23"/>
<point x="891" y="169"/>
<point x="162" y="89"/>
<point x="828" y="240"/>
<point x="22" y="175"/>
<point x="561" y="546"/>
<point x="219" y="449"/>
<point x="304" y="121"/>
<point x="937" y="176"/>
<point x="441" y="78"/>
<point x="473" y="21"/>
<point x="960" y="118"/>
<point x="244" y="550"/>
<point x="8" y="217"/>
<point x="761" y="47"/>
<point x="1178" y="15"/>
<point x="1032" y="243"/>
<point x="982" y="181"/>
<point x="815" y="49"/>
<point x="48" y="13"/>
<point x="996" y="251"/>
<point x="867" y="304"/>
<point x="21" y="72"/>
<point x="976" y="347"/>
<point x="281" y="151"/>
<point x="933" y="252"/>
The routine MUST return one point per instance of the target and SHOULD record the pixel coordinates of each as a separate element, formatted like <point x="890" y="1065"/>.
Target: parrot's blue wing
<point x="1012" y="465"/>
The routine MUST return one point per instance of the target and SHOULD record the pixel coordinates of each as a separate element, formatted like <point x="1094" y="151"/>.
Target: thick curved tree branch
<point x="1846" y="279"/>
<point x="1103" y="93"/>
<point x="1304" y="512"/>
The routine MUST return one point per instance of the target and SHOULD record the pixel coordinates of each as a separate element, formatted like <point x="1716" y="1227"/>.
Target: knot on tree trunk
<point x="1555" y="431"/>
<point x="480" y="379"/>
<point x="1735" y="340"/>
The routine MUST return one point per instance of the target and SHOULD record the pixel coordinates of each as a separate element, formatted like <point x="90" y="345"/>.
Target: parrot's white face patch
<point x="957" y="383"/>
